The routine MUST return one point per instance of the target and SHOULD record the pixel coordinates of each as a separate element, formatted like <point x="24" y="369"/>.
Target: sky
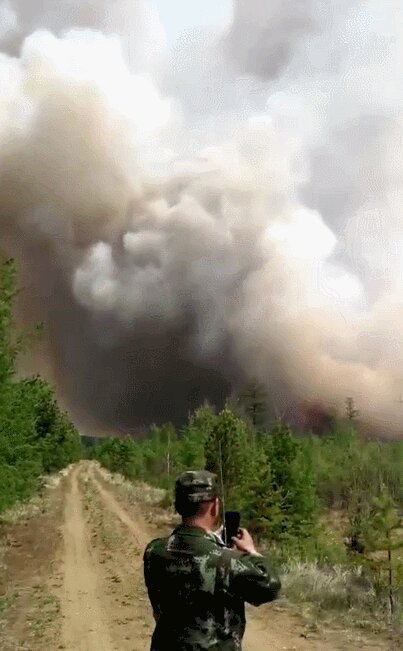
<point x="179" y="15"/>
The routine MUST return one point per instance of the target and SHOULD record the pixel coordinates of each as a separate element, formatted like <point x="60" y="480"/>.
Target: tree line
<point x="36" y="436"/>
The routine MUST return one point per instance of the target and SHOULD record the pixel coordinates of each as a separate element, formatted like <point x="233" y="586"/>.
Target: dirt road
<point x="84" y="619"/>
<point x="84" y="590"/>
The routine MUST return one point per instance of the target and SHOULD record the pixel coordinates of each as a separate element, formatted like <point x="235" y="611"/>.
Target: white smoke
<point x="179" y="246"/>
<point x="137" y="24"/>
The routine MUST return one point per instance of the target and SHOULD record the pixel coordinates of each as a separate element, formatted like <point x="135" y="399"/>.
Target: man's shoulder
<point x="155" y="546"/>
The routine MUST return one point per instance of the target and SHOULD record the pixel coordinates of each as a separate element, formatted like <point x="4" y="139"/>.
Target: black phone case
<point x="231" y="526"/>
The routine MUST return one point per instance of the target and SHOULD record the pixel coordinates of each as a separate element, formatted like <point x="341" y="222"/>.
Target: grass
<point x="106" y="533"/>
<point x="36" y="505"/>
<point x="46" y="608"/>
<point x="334" y="588"/>
<point x="7" y="600"/>
<point x="154" y="502"/>
<point x="135" y="492"/>
<point x="23" y="511"/>
<point x="345" y="592"/>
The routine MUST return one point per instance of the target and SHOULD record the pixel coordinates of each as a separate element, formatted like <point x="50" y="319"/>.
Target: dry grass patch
<point x="152" y="501"/>
<point x="345" y="595"/>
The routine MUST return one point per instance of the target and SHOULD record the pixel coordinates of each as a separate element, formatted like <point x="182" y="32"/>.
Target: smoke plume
<point x="188" y="220"/>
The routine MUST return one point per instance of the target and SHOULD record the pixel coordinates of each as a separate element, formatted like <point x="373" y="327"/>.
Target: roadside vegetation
<point x="36" y="437"/>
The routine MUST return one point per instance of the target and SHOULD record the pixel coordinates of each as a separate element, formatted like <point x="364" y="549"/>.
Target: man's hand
<point x="244" y="542"/>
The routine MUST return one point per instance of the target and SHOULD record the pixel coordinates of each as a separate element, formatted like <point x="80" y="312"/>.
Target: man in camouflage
<point x="198" y="587"/>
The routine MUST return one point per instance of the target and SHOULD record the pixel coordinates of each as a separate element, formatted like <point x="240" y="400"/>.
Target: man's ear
<point x="216" y="507"/>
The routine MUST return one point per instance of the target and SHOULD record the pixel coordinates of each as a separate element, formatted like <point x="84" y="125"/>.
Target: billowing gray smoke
<point x="265" y="36"/>
<point x="243" y="220"/>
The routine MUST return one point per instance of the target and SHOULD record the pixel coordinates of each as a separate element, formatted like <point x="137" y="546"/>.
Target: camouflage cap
<point x="196" y="486"/>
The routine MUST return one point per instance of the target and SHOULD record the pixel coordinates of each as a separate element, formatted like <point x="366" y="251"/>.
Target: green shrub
<point x="35" y="436"/>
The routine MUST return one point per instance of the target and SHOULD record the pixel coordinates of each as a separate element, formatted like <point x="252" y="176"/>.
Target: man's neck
<point x="199" y="524"/>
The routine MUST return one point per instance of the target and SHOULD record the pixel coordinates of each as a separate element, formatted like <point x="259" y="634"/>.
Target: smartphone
<point x="232" y="521"/>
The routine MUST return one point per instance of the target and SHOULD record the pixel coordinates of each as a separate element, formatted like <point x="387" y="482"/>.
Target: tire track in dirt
<point x="119" y="557"/>
<point x="84" y="625"/>
<point x="141" y="536"/>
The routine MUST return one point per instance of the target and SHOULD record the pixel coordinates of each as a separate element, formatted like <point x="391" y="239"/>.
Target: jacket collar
<point x="191" y="530"/>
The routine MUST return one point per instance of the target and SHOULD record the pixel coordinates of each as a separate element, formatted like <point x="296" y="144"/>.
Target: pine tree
<point x="351" y="412"/>
<point x="226" y="454"/>
<point x="385" y="521"/>
<point x="8" y="344"/>
<point x="190" y="453"/>
<point x="293" y="485"/>
<point x="253" y="403"/>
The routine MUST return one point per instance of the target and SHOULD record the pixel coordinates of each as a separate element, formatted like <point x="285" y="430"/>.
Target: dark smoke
<point x="175" y="247"/>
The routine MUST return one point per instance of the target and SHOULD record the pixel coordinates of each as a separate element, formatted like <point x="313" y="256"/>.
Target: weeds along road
<point x="71" y="577"/>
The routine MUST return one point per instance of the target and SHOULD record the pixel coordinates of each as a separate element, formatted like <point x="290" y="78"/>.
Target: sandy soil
<point x="85" y="622"/>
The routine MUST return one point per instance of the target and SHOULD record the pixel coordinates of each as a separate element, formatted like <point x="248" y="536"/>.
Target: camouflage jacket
<point x="198" y="588"/>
